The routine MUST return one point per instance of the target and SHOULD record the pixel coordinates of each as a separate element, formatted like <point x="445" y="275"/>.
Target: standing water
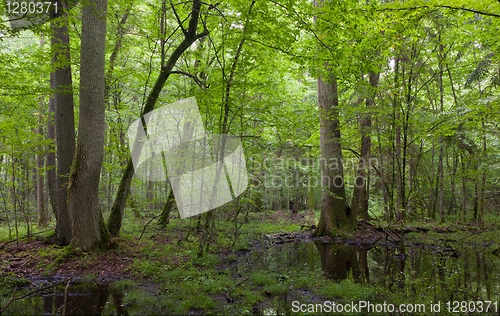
<point x="449" y="273"/>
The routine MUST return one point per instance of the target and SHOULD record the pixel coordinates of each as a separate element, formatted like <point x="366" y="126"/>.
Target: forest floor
<point x="165" y="259"/>
<point x="38" y="258"/>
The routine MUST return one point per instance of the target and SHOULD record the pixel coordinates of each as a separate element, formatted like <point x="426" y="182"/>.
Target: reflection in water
<point x="450" y="273"/>
<point x="79" y="299"/>
<point x="338" y="261"/>
<point x="456" y="272"/>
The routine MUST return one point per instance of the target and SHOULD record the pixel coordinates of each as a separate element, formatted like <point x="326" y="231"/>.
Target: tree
<point x="43" y="215"/>
<point x="361" y="189"/>
<point x="190" y="36"/>
<point x="83" y="193"/>
<point x="64" y="121"/>
<point x="334" y="213"/>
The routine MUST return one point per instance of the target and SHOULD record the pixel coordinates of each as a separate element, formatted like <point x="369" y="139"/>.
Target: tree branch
<point x="16" y="298"/>
<point x="190" y="37"/>
<point x="443" y="6"/>
<point x="196" y="79"/>
<point x="177" y="17"/>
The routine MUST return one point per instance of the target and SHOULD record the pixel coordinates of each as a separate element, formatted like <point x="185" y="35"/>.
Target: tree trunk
<point x="482" y="185"/>
<point x="116" y="214"/>
<point x="311" y="197"/>
<point x="333" y="201"/>
<point x="51" y="156"/>
<point x="64" y="123"/>
<point x="453" y="204"/>
<point x="396" y="150"/>
<point x="43" y="217"/>
<point x="83" y="200"/>
<point x="463" y="204"/>
<point x="167" y="209"/>
<point x="360" y="195"/>
<point x="440" y="181"/>
<point x="433" y="192"/>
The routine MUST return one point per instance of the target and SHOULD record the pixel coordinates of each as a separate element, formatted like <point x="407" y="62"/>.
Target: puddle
<point x="77" y="299"/>
<point x="451" y="272"/>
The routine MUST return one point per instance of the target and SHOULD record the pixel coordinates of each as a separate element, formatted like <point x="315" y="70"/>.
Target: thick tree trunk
<point x="333" y="200"/>
<point x="83" y="200"/>
<point x="64" y="123"/>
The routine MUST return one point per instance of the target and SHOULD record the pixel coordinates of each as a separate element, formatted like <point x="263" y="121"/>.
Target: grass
<point x="347" y="290"/>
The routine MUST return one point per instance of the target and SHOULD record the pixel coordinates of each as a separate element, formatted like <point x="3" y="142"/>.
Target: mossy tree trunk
<point x="83" y="199"/>
<point x="64" y="118"/>
<point x="333" y="199"/>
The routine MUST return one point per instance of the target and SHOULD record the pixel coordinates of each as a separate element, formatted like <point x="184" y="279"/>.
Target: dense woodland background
<point x="407" y="123"/>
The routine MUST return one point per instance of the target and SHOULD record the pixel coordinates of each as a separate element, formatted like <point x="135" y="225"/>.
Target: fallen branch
<point x="26" y="262"/>
<point x="229" y="298"/>
<point x="145" y="226"/>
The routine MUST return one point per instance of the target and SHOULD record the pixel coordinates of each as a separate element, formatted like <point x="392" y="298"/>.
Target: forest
<point x="265" y="157"/>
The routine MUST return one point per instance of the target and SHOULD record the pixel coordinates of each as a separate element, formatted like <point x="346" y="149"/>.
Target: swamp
<point x="249" y="157"/>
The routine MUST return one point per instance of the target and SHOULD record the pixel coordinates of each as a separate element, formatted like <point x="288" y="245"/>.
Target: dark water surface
<point x="447" y="273"/>
<point x="450" y="272"/>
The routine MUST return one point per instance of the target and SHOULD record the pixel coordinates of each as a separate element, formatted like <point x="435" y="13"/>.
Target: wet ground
<point x="447" y="272"/>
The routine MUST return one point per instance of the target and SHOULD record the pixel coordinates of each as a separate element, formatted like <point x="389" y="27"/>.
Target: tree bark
<point x="333" y="200"/>
<point x="83" y="199"/>
<point x="440" y="167"/>
<point x="463" y="202"/>
<point x="360" y="194"/>
<point x="64" y="123"/>
<point x="51" y="156"/>
<point x="43" y="217"/>
<point x="395" y="155"/>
